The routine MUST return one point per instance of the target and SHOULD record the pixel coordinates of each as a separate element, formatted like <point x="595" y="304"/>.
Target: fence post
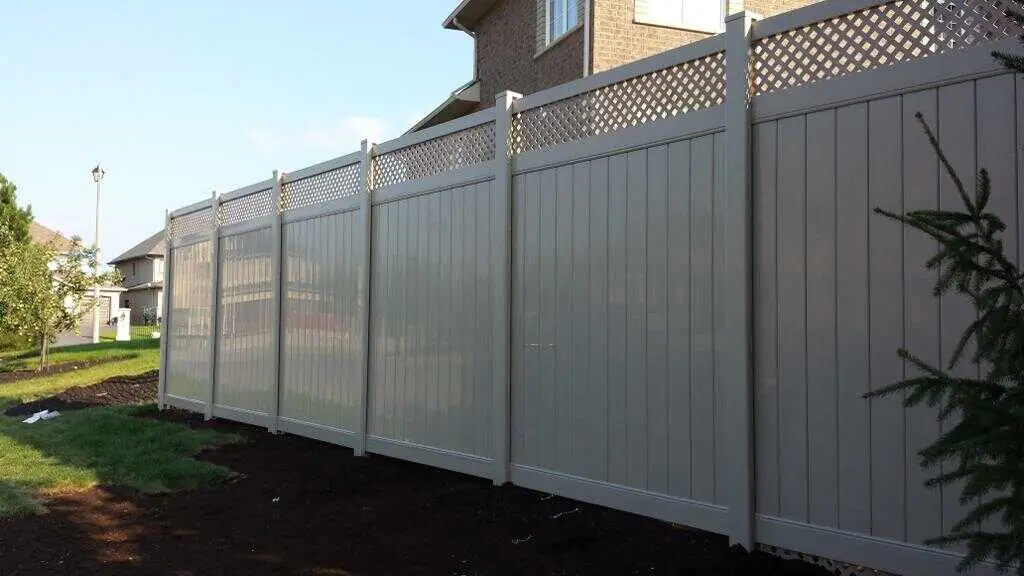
<point x="365" y="211"/>
<point x="737" y="293"/>
<point x="502" y="390"/>
<point x="276" y="275"/>
<point x="165" y="315"/>
<point x="214" y="301"/>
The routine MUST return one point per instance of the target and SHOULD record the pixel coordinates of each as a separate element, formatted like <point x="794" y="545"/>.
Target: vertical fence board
<point x="597" y="431"/>
<point x="636" y="313"/>
<point x="792" y="251"/>
<point x="679" y="348"/>
<point x="657" y="320"/>
<point x="584" y="393"/>
<point x="563" y="377"/>
<point x="852" y="318"/>
<point x="765" y="176"/>
<point x="955" y="128"/>
<point x="888" y="456"/>
<point x="617" y="335"/>
<point x="189" y="325"/>
<point x="702" y="369"/>
<point x="921" y="309"/>
<point x="822" y="403"/>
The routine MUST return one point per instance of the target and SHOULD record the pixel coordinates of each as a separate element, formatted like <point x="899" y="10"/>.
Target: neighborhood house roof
<point x="40" y="234"/>
<point x="155" y="245"/>
<point x="468" y="14"/>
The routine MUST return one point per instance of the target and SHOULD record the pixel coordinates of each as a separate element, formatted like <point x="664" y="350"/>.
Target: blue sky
<point x="176" y="99"/>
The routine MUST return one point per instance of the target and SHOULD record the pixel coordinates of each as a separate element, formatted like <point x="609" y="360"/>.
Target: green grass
<point x="136" y="358"/>
<point x="27" y="359"/>
<point x="108" y="445"/>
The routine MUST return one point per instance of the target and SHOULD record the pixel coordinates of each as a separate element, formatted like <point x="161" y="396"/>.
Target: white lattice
<point x="186" y="227"/>
<point x="248" y="207"/>
<point x="322" y="187"/>
<point x="834" y="566"/>
<point x="876" y="37"/>
<point x="449" y="152"/>
<point x="662" y="94"/>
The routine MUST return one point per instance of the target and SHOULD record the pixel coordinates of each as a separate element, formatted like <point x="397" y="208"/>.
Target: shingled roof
<point x="155" y="245"/>
<point x="40" y="234"/>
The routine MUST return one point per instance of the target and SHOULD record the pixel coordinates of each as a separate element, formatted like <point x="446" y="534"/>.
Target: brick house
<point x="529" y="45"/>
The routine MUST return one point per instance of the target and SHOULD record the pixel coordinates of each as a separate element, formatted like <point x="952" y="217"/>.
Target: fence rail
<point x="658" y="288"/>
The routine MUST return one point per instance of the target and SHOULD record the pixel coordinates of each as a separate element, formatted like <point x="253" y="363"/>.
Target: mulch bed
<point x="299" y="506"/>
<point x="18" y="375"/>
<point x="114" y="391"/>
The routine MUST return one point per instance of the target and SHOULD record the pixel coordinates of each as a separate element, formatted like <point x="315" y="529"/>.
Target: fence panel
<point x="614" y="368"/>
<point x="839" y="290"/>
<point x="189" y="324"/>
<point x="320" y="353"/>
<point x="433" y="265"/>
<point x="245" y="378"/>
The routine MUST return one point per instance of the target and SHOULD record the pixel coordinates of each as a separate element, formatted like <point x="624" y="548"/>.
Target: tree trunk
<point x="45" y="349"/>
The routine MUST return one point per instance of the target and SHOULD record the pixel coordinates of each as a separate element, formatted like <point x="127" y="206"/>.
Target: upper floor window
<point x="561" y="16"/>
<point x="699" y="15"/>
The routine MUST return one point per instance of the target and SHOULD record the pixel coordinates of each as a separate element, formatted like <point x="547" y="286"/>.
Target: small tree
<point x="983" y="442"/>
<point x="45" y="290"/>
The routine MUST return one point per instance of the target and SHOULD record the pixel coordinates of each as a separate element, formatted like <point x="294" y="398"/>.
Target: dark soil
<point x="18" y="375"/>
<point x="118" y="390"/>
<point x="298" y="506"/>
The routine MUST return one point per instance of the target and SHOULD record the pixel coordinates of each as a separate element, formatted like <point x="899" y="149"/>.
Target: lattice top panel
<point x="449" y="152"/>
<point x="658" y="95"/>
<point x="323" y="187"/>
<point x="187" y="227"/>
<point x="249" y="207"/>
<point x="875" y="37"/>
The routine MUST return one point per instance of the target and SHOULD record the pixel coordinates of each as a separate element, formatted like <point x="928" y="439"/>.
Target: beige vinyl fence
<point x="631" y="289"/>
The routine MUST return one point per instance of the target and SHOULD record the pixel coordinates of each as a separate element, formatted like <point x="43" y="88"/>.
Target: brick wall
<point x="618" y="40"/>
<point x="506" y="47"/>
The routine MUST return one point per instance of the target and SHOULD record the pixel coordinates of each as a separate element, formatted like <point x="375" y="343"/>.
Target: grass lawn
<point x="99" y="445"/>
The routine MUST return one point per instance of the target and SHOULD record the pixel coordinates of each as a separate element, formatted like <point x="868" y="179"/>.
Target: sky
<point x="177" y="99"/>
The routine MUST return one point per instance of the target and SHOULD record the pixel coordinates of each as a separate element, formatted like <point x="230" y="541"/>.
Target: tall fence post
<point x="276" y="275"/>
<point x="214" y="302"/>
<point x="736" y="368"/>
<point x="365" y="209"/>
<point x="502" y="390"/>
<point x="165" y="315"/>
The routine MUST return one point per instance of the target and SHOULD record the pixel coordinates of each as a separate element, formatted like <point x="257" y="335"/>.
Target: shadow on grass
<point x="147" y="344"/>
<point x="106" y="446"/>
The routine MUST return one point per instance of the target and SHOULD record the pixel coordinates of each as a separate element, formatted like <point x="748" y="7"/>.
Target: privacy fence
<point x="631" y="289"/>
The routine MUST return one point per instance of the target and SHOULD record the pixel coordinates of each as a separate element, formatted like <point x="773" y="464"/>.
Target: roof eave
<point x="468" y="14"/>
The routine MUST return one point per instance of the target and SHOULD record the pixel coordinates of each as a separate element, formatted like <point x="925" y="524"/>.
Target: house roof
<point x="155" y="245"/>
<point x="158" y="285"/>
<point x="468" y="14"/>
<point x="464" y="100"/>
<point x="40" y="234"/>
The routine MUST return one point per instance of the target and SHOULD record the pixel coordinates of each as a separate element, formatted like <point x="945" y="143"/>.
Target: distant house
<point x="143" y="269"/>
<point x="40" y="234"/>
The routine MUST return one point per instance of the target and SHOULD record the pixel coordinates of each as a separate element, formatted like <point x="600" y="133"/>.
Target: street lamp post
<point x="97" y="177"/>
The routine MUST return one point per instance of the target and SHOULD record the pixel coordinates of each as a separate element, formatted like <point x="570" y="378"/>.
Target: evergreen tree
<point x="982" y="445"/>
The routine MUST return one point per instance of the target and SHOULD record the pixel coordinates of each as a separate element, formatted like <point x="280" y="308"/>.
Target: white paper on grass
<point x="42" y="415"/>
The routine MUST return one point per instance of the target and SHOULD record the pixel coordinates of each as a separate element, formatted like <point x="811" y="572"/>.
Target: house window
<point x="700" y="15"/>
<point x="134" y="272"/>
<point x="561" y="16"/>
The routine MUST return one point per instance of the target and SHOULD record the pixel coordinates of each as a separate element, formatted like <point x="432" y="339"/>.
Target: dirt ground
<point x="118" y="390"/>
<point x="18" y="375"/>
<point x="298" y="506"/>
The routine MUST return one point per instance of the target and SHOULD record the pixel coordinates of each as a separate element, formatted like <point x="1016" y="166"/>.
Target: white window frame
<point x="567" y="6"/>
<point x="681" y="23"/>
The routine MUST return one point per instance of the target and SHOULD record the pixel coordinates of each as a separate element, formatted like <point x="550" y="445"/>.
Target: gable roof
<point x="40" y="234"/>
<point x="155" y="245"/>
<point x="468" y="14"/>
